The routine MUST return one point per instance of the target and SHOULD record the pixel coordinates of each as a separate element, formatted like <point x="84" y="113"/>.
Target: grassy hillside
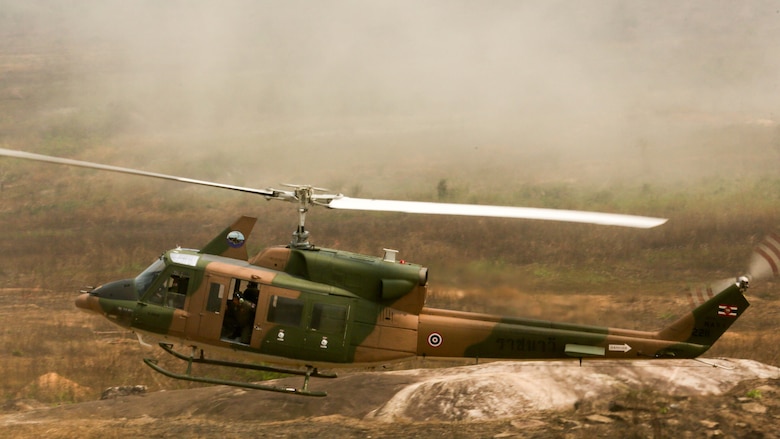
<point x="602" y="126"/>
<point x="81" y="228"/>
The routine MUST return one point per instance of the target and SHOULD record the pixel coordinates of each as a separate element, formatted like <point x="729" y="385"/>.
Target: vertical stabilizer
<point x="707" y="322"/>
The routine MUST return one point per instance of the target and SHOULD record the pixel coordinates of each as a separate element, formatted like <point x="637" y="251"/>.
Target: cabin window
<point x="214" y="302"/>
<point x="285" y="311"/>
<point x="331" y="319"/>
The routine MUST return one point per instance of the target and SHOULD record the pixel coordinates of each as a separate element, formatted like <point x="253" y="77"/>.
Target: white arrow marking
<point x="619" y="347"/>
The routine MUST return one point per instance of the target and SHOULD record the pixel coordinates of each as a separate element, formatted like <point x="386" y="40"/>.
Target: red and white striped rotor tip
<point x="765" y="261"/>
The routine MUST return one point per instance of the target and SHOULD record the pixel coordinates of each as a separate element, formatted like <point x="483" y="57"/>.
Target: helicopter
<point x="299" y="308"/>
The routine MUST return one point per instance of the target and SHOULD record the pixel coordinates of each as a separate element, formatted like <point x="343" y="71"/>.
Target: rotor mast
<point x="300" y="235"/>
<point x="303" y="195"/>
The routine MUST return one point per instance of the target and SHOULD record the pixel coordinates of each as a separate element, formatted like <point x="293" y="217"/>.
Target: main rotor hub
<point x="305" y="196"/>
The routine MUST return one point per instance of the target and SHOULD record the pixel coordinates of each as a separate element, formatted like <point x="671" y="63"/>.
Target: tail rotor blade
<point x="765" y="261"/>
<point x="764" y="265"/>
<point x="699" y="294"/>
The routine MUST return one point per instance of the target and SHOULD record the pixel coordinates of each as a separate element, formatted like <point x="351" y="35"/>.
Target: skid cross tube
<point x="308" y="373"/>
<point x="314" y="372"/>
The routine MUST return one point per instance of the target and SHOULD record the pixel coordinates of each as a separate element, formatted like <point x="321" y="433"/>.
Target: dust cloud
<point x="363" y="94"/>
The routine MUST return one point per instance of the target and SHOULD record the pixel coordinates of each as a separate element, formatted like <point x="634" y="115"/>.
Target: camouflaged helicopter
<point x="301" y="307"/>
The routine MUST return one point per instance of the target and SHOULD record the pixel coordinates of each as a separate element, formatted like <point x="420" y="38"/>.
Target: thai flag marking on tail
<point x="727" y="310"/>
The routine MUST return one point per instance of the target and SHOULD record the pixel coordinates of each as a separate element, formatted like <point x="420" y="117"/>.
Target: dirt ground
<point x="670" y="399"/>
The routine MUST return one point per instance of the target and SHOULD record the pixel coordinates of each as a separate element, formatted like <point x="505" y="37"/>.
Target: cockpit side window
<point x="172" y="292"/>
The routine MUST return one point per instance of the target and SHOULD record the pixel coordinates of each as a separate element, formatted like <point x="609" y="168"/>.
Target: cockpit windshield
<point x="145" y="279"/>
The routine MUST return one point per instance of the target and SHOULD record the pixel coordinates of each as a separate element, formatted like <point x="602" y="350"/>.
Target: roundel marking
<point x="435" y="339"/>
<point x="235" y="239"/>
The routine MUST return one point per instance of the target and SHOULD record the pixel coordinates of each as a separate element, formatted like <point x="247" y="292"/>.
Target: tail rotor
<point x="765" y="261"/>
<point x="764" y="265"/>
<point x="717" y="305"/>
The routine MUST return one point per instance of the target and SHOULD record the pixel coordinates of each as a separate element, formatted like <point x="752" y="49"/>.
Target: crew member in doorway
<point x="246" y="314"/>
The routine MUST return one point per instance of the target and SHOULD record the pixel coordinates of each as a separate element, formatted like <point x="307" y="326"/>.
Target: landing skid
<point x="187" y="376"/>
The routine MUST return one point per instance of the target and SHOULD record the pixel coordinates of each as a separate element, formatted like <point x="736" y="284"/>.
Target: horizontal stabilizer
<point x="579" y="351"/>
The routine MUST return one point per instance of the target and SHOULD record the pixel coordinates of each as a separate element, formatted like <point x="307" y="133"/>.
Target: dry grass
<point x="45" y="334"/>
<point x="583" y="274"/>
<point x="66" y="231"/>
<point x="62" y="228"/>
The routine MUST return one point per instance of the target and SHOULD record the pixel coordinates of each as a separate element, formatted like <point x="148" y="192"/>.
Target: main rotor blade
<point x="90" y="165"/>
<point x="576" y="216"/>
<point x="342" y="202"/>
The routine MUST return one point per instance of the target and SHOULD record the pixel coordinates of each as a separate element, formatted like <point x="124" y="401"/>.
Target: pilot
<point x="174" y="288"/>
<point x="175" y="297"/>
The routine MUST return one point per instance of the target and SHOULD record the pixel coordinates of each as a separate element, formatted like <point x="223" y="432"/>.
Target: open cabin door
<point x="224" y="308"/>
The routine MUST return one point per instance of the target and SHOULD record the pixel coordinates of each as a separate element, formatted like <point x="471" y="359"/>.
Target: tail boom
<point x="449" y="334"/>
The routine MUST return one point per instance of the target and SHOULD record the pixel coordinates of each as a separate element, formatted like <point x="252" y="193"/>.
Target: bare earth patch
<point x="738" y="398"/>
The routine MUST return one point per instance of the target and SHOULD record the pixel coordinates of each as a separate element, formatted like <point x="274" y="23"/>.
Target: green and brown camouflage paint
<point x="379" y="312"/>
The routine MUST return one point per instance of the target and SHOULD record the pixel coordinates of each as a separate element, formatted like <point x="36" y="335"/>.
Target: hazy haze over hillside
<point x="313" y="92"/>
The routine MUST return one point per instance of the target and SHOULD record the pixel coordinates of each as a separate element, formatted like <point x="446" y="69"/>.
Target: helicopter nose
<point x="87" y="302"/>
<point x="112" y="294"/>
